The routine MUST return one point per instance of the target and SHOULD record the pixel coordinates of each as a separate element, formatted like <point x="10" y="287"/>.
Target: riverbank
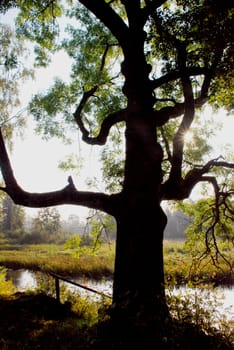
<point x="34" y="320"/>
<point x="37" y="321"/>
<point x="180" y="268"/>
<point x="25" y="280"/>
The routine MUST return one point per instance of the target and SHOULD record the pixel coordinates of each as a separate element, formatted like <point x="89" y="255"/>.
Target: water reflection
<point x="22" y="279"/>
<point x="25" y="279"/>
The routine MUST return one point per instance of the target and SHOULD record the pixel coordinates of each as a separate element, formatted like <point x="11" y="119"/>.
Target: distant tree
<point x="12" y="219"/>
<point x="177" y="222"/>
<point x="46" y="226"/>
<point x="73" y="224"/>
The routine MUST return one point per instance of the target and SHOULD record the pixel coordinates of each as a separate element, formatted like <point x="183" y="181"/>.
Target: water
<point x="22" y="279"/>
<point x="25" y="279"/>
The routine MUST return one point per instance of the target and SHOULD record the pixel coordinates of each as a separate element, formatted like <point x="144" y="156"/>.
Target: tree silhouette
<point x="147" y="66"/>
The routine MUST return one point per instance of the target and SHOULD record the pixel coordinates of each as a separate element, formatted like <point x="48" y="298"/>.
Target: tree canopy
<point x="177" y="42"/>
<point x="12" y="71"/>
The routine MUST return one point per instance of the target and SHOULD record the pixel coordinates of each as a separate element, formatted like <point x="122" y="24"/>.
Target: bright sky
<point x="35" y="162"/>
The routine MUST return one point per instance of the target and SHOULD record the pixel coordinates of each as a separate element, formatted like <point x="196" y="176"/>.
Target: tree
<point x="73" y="225"/>
<point x="12" y="219"/>
<point x="177" y="222"/>
<point x="12" y="70"/>
<point x="209" y="225"/>
<point x="154" y="65"/>
<point x="101" y="228"/>
<point x="46" y="226"/>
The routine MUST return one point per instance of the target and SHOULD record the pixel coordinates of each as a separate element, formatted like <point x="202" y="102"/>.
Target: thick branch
<point x="181" y="190"/>
<point x="197" y="172"/>
<point x="166" y="143"/>
<point x="67" y="195"/>
<point x="169" y="112"/>
<point x="163" y="115"/>
<point x="77" y="114"/>
<point x="109" y="18"/>
<point x="106" y="125"/>
<point x="189" y="109"/>
<point x="176" y="74"/>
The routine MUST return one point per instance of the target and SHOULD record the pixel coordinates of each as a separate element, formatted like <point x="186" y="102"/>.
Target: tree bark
<point x="138" y="275"/>
<point x="139" y="251"/>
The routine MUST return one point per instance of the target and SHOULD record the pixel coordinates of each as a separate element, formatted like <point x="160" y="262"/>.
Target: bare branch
<point x="212" y="247"/>
<point x="67" y="195"/>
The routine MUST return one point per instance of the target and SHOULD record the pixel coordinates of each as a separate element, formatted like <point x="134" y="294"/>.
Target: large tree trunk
<point x="139" y="252"/>
<point x="140" y="316"/>
<point x="138" y="290"/>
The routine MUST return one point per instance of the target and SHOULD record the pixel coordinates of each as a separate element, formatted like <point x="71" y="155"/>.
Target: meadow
<point x="180" y="267"/>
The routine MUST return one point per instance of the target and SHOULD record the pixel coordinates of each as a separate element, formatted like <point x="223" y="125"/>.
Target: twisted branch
<point x="183" y="188"/>
<point x="67" y="195"/>
<point x="106" y="125"/>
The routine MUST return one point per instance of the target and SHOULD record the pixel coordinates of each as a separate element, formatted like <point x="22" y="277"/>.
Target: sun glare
<point x="188" y="137"/>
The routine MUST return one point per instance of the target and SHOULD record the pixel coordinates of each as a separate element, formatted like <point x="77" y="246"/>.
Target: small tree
<point x="46" y="226"/>
<point x="12" y="219"/>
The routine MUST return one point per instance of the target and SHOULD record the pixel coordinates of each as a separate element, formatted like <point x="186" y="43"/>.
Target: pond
<point x="25" y="279"/>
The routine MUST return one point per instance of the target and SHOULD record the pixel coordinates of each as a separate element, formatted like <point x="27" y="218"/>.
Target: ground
<point x="30" y="322"/>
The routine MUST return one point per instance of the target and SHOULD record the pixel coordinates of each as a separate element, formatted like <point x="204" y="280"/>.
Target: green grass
<point x="179" y="266"/>
<point x="53" y="258"/>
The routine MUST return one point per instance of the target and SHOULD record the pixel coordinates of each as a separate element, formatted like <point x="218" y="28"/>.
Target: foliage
<point x="199" y="308"/>
<point x="101" y="228"/>
<point x="37" y="21"/>
<point x="73" y="245"/>
<point x="12" y="71"/>
<point x="211" y="227"/>
<point x="6" y="287"/>
<point x="46" y="227"/>
<point x="32" y="320"/>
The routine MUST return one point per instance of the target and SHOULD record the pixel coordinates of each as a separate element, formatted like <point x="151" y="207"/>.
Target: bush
<point x="6" y="287"/>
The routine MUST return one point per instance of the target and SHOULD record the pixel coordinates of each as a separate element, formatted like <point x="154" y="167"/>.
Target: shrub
<point x="6" y="287"/>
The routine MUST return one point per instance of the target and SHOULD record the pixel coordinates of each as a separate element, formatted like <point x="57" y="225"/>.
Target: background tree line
<point x="47" y="226"/>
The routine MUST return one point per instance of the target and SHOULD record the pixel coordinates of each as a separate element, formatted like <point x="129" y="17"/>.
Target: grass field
<point x="180" y="267"/>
